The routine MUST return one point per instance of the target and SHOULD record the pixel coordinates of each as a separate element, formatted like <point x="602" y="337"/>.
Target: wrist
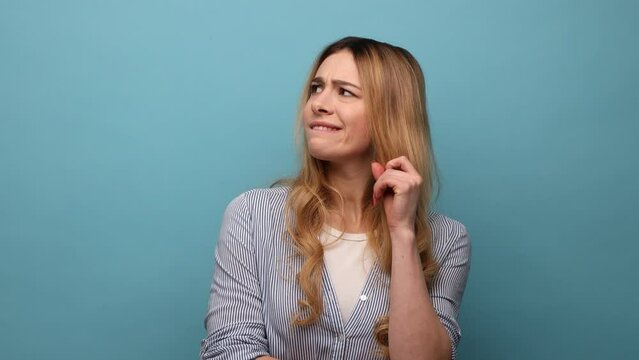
<point x="402" y="237"/>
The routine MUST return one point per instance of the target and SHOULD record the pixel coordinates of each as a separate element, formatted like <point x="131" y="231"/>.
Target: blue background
<point x="126" y="127"/>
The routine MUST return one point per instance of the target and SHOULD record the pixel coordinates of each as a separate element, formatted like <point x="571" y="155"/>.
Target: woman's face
<point x="335" y="124"/>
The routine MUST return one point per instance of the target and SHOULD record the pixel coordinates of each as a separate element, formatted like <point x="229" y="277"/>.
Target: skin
<point x="415" y="331"/>
<point x="347" y="152"/>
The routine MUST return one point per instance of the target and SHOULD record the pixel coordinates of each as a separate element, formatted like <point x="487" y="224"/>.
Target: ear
<point x="377" y="169"/>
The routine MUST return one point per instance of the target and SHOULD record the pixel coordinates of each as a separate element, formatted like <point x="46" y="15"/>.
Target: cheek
<point x="306" y="111"/>
<point x="361" y="126"/>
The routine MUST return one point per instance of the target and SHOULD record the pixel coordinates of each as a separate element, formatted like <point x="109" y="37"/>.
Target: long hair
<point x="395" y="105"/>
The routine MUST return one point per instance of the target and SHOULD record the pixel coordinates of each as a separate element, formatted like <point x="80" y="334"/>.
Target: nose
<point x="321" y="104"/>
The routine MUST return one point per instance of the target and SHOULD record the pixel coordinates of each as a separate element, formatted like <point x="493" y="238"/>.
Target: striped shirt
<point x="254" y="292"/>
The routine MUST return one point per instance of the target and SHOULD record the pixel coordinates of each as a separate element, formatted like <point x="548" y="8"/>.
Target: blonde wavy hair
<point x="395" y="104"/>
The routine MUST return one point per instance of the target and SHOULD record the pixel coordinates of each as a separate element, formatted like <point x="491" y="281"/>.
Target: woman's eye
<point x="346" y="92"/>
<point x="315" y="88"/>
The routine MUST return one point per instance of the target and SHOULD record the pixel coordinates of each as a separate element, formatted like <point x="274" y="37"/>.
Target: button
<point x="363" y="297"/>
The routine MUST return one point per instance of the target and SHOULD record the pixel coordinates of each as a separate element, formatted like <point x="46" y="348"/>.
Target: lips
<point x="324" y="126"/>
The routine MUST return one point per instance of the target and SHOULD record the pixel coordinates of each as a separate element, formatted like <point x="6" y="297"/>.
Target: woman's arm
<point x="422" y="325"/>
<point x="234" y="320"/>
<point x="415" y="331"/>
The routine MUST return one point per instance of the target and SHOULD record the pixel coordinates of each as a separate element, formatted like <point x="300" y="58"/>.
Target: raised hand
<point x="397" y="185"/>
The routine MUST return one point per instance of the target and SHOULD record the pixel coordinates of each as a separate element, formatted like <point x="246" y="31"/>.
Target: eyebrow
<point x="320" y="79"/>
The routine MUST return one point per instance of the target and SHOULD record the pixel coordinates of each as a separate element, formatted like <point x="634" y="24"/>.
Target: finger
<point x="395" y="180"/>
<point x="377" y="169"/>
<point x="401" y="163"/>
<point x="391" y="181"/>
<point x="379" y="189"/>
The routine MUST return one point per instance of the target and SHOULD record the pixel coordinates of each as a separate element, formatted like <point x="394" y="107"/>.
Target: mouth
<point x="324" y="127"/>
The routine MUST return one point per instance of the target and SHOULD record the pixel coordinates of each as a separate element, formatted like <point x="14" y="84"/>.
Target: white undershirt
<point x="348" y="261"/>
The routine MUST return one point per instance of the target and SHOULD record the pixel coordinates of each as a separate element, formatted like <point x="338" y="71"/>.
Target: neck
<point x="351" y="181"/>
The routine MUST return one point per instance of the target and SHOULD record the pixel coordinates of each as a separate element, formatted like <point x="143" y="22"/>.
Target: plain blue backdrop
<point x="127" y="126"/>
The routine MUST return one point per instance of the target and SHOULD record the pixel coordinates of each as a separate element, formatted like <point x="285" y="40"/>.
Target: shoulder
<point x="444" y="226"/>
<point x="449" y="235"/>
<point x="265" y="196"/>
<point x="260" y="200"/>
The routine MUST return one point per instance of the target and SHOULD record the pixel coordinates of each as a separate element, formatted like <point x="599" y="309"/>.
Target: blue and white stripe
<point x="254" y="293"/>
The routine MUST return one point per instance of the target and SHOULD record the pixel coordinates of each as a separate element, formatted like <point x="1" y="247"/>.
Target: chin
<point x="321" y="155"/>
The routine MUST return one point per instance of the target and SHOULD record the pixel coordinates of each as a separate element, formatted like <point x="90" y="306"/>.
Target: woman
<point x="346" y="260"/>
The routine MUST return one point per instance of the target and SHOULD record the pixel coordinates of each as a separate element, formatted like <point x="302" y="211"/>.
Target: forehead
<point x="339" y="66"/>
